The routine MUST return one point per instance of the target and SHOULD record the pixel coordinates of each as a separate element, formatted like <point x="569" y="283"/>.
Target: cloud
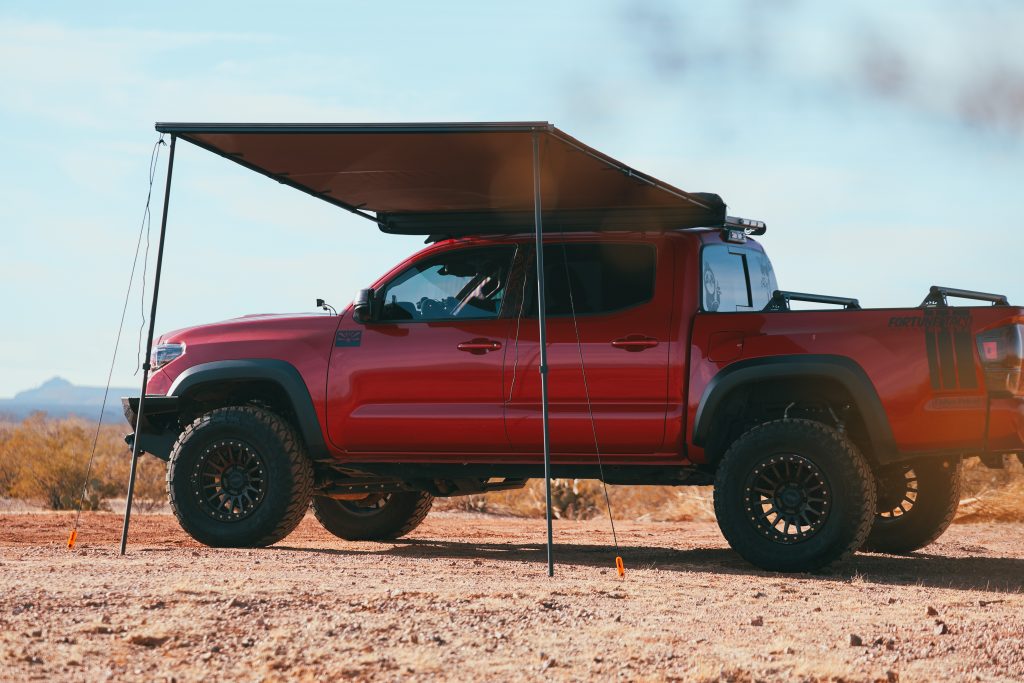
<point x="957" y="61"/>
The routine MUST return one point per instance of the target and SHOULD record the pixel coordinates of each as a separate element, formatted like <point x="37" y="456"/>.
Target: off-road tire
<point x="401" y="513"/>
<point x="286" y="478"/>
<point x="839" y="477"/>
<point x="938" y="496"/>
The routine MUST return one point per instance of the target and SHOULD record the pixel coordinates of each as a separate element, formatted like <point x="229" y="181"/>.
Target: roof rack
<point x="781" y="298"/>
<point x="937" y="297"/>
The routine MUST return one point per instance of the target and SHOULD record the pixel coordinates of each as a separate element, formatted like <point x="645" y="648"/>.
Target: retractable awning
<point x="456" y="178"/>
<point x="446" y="179"/>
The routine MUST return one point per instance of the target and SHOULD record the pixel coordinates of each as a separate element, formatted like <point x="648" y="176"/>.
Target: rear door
<point x="426" y="374"/>
<point x="621" y="292"/>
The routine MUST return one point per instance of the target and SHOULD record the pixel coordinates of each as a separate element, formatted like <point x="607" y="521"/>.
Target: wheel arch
<point x="274" y="382"/>
<point x="835" y="377"/>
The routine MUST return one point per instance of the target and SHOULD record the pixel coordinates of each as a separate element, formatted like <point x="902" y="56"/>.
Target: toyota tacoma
<point x="673" y="359"/>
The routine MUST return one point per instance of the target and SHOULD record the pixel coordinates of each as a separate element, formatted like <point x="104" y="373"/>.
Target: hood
<point x="250" y="322"/>
<point x="301" y="339"/>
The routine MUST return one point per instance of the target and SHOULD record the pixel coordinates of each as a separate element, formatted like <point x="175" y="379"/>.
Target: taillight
<point x="1002" y="355"/>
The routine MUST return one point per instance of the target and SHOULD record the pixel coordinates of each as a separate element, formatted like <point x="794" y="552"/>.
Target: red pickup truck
<point x="673" y="360"/>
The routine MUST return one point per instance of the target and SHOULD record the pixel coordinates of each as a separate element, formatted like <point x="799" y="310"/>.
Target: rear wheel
<point x="916" y="504"/>
<point x="239" y="477"/>
<point x="794" y="495"/>
<point x="378" y="517"/>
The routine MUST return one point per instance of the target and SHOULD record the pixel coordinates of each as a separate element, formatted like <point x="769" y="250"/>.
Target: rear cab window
<point x="594" y="278"/>
<point x="735" y="278"/>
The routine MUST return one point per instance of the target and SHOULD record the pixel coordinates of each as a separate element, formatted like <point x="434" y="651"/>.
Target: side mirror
<point x="362" y="309"/>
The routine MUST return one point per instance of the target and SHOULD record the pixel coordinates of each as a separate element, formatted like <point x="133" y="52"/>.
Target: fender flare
<point x="840" y="369"/>
<point x="280" y="372"/>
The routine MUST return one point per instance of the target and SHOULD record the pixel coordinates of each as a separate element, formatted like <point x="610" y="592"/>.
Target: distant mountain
<point x="59" y="398"/>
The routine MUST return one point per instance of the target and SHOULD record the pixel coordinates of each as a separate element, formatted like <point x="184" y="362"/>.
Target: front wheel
<point x="916" y="504"/>
<point x="239" y="477"/>
<point x="794" y="495"/>
<point x="378" y="517"/>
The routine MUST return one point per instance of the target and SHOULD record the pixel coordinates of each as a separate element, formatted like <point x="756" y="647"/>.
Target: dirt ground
<point x="466" y="597"/>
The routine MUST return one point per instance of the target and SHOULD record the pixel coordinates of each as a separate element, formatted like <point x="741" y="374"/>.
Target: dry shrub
<point x="988" y="496"/>
<point x="472" y="503"/>
<point x="992" y="495"/>
<point x="45" y="461"/>
<point x="663" y="503"/>
<point x="150" y="484"/>
<point x="7" y="470"/>
<point x="570" y="499"/>
<point x="584" y="499"/>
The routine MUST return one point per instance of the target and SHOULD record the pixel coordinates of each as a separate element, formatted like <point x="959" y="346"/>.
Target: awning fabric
<point x="456" y="178"/>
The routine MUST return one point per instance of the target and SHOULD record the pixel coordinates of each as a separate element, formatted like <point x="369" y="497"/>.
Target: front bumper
<point x="158" y="429"/>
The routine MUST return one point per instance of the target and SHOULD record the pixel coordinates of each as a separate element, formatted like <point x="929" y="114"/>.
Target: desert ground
<point x="466" y="597"/>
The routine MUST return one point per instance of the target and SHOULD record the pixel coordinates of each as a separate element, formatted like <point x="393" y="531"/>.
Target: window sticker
<point x="712" y="292"/>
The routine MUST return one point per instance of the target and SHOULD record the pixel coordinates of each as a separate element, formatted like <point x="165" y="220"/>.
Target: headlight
<point x="165" y="353"/>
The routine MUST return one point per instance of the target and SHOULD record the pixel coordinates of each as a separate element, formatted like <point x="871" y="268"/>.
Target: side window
<point x="602" y="278"/>
<point x="735" y="279"/>
<point x="456" y="285"/>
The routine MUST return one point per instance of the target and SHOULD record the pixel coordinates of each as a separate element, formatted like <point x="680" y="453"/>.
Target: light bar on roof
<point x="747" y="225"/>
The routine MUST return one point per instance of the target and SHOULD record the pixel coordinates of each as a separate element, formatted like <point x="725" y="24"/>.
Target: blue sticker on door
<point x="348" y="338"/>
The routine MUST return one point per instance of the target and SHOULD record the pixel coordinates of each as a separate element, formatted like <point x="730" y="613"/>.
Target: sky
<point x="883" y="143"/>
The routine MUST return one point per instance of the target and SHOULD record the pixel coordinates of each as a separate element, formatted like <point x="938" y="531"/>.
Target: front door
<point x="425" y="375"/>
<point x="621" y="293"/>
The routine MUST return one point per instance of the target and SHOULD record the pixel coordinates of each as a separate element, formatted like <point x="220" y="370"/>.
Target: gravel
<point x="467" y="597"/>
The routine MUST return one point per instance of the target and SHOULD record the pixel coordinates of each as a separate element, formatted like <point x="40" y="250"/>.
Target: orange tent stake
<point x="620" y="568"/>
<point x="72" y="538"/>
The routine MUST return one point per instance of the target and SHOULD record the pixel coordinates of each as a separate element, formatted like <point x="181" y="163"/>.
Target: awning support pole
<point x="542" y="327"/>
<point x="149" y="349"/>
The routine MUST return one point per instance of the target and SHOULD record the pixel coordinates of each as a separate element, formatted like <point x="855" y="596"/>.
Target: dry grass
<point x="584" y="499"/>
<point x="43" y="462"/>
<point x="988" y="496"/>
<point x="992" y="495"/>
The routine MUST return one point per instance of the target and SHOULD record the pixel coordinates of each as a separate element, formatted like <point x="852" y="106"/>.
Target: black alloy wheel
<point x="239" y="477"/>
<point x="916" y="504"/>
<point x="378" y="517"/>
<point x="229" y="480"/>
<point x="898" y="490"/>
<point x="787" y="498"/>
<point x="794" y="495"/>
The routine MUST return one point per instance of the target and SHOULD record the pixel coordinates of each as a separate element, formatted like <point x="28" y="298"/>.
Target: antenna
<point x="320" y="303"/>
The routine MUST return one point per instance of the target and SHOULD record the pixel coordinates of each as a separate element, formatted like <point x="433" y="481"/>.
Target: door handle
<point x="635" y="342"/>
<point x="479" y="347"/>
